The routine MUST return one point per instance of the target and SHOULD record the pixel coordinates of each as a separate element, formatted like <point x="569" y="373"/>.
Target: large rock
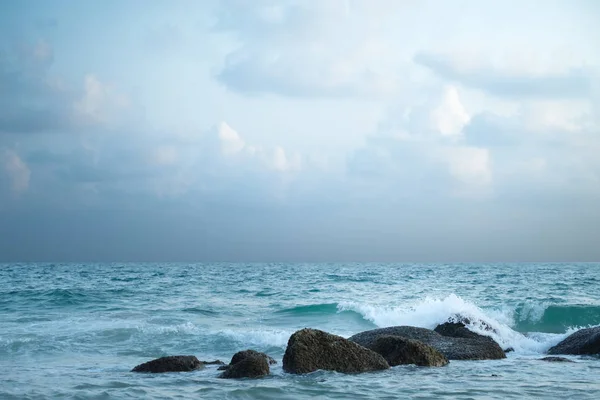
<point x="584" y="341"/>
<point x="170" y="364"/>
<point x="454" y="348"/>
<point x="309" y="350"/>
<point x="398" y="351"/>
<point x="251" y="366"/>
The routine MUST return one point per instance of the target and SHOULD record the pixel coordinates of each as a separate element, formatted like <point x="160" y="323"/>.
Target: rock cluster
<point x="309" y="350"/>
<point x="475" y="347"/>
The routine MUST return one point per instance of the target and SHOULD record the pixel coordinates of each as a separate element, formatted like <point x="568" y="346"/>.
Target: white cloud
<point x="231" y="142"/>
<point x="450" y="116"/>
<point x="551" y="116"/>
<point x="322" y="49"/>
<point x="100" y="104"/>
<point x="281" y="162"/>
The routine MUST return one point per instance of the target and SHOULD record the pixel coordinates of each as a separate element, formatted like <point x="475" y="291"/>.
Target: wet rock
<point x="310" y="350"/>
<point x="456" y="329"/>
<point x="556" y="359"/>
<point x="508" y="350"/>
<point x="454" y="348"/>
<point x="583" y="342"/>
<point x="170" y="364"/>
<point x="460" y="319"/>
<point x="398" y="351"/>
<point x="240" y="355"/>
<point x="251" y="366"/>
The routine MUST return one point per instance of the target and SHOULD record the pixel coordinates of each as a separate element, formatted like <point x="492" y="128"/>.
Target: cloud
<point x="17" y="171"/>
<point x="231" y="142"/>
<point x="423" y="150"/>
<point x="469" y="165"/>
<point x="575" y="83"/>
<point x="325" y="129"/>
<point x="100" y="103"/>
<point x="33" y="101"/>
<point x="450" y="116"/>
<point x="304" y="50"/>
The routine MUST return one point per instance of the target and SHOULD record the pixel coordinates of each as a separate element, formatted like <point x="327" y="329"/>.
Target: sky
<point x="300" y="130"/>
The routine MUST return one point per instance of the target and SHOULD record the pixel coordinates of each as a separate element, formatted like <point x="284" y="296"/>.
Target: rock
<point x="584" y="341"/>
<point x="456" y="329"/>
<point x="247" y="364"/>
<point x="508" y="350"/>
<point x="454" y="348"/>
<point x="247" y="353"/>
<point x="252" y="366"/>
<point x="556" y="359"/>
<point x="170" y="364"/>
<point x="309" y="350"/>
<point x="398" y="351"/>
<point x="457" y="318"/>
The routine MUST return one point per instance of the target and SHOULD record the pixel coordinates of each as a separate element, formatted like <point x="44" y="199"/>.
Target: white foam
<point x="430" y="312"/>
<point x="187" y="328"/>
<point x="532" y="311"/>
<point x="258" y="337"/>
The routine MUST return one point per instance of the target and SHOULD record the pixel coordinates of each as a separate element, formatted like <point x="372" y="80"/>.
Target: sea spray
<point x="430" y="312"/>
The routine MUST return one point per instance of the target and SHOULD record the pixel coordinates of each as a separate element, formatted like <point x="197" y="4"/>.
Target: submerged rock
<point x="251" y="366"/>
<point x="583" y="342"/>
<point x="556" y="359"/>
<point x="399" y="350"/>
<point x="170" y="364"/>
<point x="240" y="355"/>
<point x="309" y="350"/>
<point x="454" y="348"/>
<point x="247" y="364"/>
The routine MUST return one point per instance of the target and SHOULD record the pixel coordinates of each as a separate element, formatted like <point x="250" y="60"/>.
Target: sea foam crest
<point x="258" y="337"/>
<point x="430" y="312"/>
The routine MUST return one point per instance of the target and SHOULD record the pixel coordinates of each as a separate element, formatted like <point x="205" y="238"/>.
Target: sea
<point x="75" y="331"/>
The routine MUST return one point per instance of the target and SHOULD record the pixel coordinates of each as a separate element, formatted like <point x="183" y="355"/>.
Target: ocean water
<point x="74" y="331"/>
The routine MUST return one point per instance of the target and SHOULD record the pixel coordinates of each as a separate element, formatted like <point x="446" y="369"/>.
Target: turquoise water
<point x="74" y="331"/>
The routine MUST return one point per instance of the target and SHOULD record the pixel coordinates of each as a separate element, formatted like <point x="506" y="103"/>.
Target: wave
<point x="325" y="308"/>
<point x="554" y="318"/>
<point x="500" y="325"/>
<point x="202" y="311"/>
<point x="261" y="338"/>
<point x="56" y="298"/>
<point x="315" y="313"/>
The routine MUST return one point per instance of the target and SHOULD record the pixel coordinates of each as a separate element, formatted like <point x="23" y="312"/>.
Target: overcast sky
<point x="307" y="130"/>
